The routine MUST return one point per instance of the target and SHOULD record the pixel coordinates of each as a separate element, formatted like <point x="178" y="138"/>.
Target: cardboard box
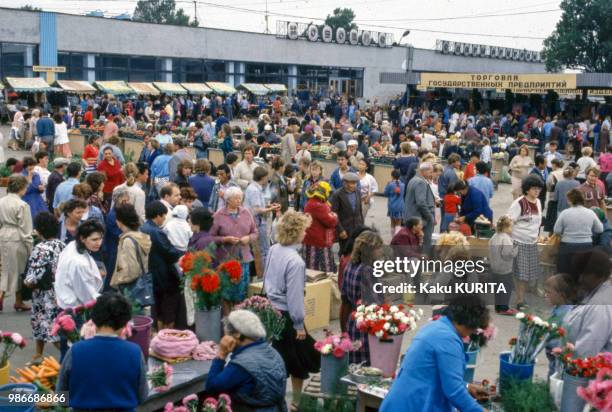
<point x="317" y="301"/>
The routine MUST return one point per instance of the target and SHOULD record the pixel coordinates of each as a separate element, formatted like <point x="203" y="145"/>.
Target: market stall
<point x="75" y="86"/>
<point x="221" y="88"/>
<point x="146" y="89"/>
<point x="197" y="89"/>
<point x="255" y="89"/>
<point x="169" y="88"/>
<point x="276" y="88"/>
<point x="114" y="87"/>
<point x="29" y="85"/>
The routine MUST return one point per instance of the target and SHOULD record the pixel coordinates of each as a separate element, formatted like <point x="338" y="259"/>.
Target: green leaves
<point x="161" y="12"/>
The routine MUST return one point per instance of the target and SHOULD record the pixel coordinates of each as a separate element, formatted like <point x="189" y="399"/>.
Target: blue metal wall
<point x="47" y="51"/>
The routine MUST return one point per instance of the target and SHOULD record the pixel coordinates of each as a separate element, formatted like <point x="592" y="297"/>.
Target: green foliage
<point x="29" y="7"/>
<point x="162" y="12"/>
<point x="337" y="403"/>
<point x="528" y="396"/>
<point x="341" y="17"/>
<point x="582" y="38"/>
<point x="4" y="171"/>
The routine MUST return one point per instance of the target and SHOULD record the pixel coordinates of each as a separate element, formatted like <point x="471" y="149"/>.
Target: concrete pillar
<point x="89" y="66"/>
<point x="167" y="68"/>
<point x="292" y="86"/>
<point x="229" y="76"/>
<point x="29" y="61"/>
<point x="240" y="77"/>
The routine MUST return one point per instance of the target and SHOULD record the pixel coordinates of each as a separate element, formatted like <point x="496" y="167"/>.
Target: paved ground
<point x="488" y="364"/>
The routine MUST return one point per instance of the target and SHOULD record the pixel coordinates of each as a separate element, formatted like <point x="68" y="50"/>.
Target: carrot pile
<point x="44" y="376"/>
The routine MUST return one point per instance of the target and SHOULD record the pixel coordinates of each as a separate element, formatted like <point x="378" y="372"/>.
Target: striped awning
<point x="114" y="87"/>
<point x="144" y="88"/>
<point x="170" y="88"/>
<point x="255" y="88"/>
<point x="276" y="88"/>
<point x="221" y="88"/>
<point x="75" y="86"/>
<point x="197" y="88"/>
<point x="28" y="84"/>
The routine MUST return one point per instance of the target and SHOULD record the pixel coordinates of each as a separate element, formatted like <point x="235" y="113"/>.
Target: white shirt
<point x="526" y="228"/>
<point x="584" y="162"/>
<point x="368" y="185"/>
<point x="427" y="141"/>
<point x="178" y="232"/>
<point x="485" y="156"/>
<point x="137" y="197"/>
<point x="77" y="278"/>
<point x="61" y="134"/>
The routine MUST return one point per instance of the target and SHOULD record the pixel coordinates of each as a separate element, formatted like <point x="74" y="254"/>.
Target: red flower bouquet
<point x="207" y="287"/>
<point x="582" y="367"/>
<point x="232" y="269"/>
<point x="386" y="320"/>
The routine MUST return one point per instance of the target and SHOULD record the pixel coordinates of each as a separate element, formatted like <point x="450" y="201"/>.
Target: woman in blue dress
<point x="33" y="196"/>
<point x="394" y="192"/>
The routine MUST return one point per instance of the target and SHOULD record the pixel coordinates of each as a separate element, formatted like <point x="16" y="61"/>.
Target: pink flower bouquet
<point x="161" y="378"/>
<point x="598" y="393"/>
<point x="11" y="341"/>
<point x="64" y="325"/>
<point x="270" y="317"/>
<point x="480" y="338"/>
<point x="336" y="345"/>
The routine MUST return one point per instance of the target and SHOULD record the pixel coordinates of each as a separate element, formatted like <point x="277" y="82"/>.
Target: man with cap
<point x="55" y="178"/>
<point x="354" y="155"/>
<point x="255" y="376"/>
<point x="269" y="135"/>
<point x="346" y="203"/>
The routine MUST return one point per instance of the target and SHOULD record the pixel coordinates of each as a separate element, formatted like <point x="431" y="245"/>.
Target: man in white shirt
<point x="428" y="140"/>
<point x="170" y="196"/>
<point x="136" y="191"/>
<point x="485" y="155"/>
<point x="163" y="137"/>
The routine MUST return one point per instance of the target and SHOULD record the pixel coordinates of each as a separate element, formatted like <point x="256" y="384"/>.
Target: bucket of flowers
<point x="472" y="345"/>
<point x="10" y="341"/>
<point x="270" y="317"/>
<point x="385" y="326"/>
<point x="191" y="403"/>
<point x="577" y="372"/>
<point x="334" y="351"/>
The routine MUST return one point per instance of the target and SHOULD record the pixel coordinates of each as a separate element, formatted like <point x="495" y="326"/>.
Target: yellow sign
<point x="497" y="81"/>
<point x="47" y="69"/>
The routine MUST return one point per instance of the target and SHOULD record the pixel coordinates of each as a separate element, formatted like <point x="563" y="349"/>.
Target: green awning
<point x="28" y="84"/>
<point x="221" y="88"/>
<point x="114" y="87"/>
<point x="75" y="86"/>
<point x="170" y="88"/>
<point x="197" y="88"/>
<point x="255" y="88"/>
<point x="144" y="88"/>
<point x="276" y="88"/>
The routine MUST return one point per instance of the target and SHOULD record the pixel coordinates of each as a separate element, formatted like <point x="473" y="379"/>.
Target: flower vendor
<point x="255" y="375"/>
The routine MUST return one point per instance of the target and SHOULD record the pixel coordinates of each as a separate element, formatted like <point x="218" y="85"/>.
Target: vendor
<point x="255" y="376"/>
<point x="120" y="378"/>
<point x="431" y="375"/>
<point x="473" y="203"/>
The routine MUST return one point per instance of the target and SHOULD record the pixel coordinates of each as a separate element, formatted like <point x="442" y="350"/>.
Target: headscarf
<point x="320" y="190"/>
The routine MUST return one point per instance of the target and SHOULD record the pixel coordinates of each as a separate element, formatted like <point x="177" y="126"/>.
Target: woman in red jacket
<point x="111" y="167"/>
<point x="321" y="233"/>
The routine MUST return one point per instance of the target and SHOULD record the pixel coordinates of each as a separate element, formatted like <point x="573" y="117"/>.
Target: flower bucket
<point x="512" y="371"/>
<point x="570" y="401"/>
<point x="384" y="354"/>
<point x="471" y="358"/>
<point x="4" y="373"/>
<point x="332" y="369"/>
<point x="141" y="333"/>
<point x="208" y="325"/>
<point x="17" y="388"/>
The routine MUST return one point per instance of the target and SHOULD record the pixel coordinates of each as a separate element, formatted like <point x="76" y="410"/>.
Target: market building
<point x="98" y="49"/>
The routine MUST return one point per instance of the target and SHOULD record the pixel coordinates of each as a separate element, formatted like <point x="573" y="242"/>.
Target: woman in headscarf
<point x="320" y="235"/>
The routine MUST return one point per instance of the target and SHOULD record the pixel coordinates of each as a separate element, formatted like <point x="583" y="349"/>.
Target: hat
<point x="180" y="211"/>
<point x="350" y="177"/>
<point x="340" y="145"/>
<point x="352" y="142"/>
<point x="60" y="161"/>
<point x="246" y="323"/>
<point x="320" y="190"/>
<point x="267" y="128"/>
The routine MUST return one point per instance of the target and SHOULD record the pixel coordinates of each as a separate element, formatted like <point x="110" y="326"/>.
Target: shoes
<point x="508" y="312"/>
<point x="22" y="308"/>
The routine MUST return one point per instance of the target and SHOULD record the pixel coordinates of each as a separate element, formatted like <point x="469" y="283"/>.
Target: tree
<point x="29" y="7"/>
<point x="163" y="12"/>
<point x="582" y="38"/>
<point x="341" y="18"/>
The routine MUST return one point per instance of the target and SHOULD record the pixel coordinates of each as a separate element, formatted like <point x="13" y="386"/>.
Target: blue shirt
<point x="63" y="193"/>
<point x="430" y="378"/>
<point x="45" y="127"/>
<point x="202" y="184"/>
<point x="230" y="377"/>
<point x="482" y="183"/>
<point x="474" y="204"/>
<point x="159" y="168"/>
<point x="163" y="139"/>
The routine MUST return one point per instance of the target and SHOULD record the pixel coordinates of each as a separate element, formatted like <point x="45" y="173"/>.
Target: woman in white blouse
<point x="368" y="185"/>
<point x="584" y="163"/>
<point x="61" y="142"/>
<point x="520" y="165"/>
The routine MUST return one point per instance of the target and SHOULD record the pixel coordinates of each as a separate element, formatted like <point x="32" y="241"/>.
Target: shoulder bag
<point x="141" y="290"/>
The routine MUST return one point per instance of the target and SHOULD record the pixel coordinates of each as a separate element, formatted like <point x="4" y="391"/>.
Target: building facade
<point x="94" y="48"/>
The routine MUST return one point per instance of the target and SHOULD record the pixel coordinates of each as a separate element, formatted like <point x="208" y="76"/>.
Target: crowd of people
<point x="72" y="229"/>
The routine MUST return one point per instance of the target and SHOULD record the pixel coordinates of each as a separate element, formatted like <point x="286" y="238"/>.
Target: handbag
<point x="140" y="290"/>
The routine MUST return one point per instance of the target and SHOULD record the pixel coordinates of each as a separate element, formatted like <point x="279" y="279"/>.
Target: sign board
<point x="569" y="92"/>
<point x="498" y="81"/>
<point x="51" y="69"/>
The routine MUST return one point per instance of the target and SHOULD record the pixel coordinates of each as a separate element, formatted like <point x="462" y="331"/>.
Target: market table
<point x="188" y="377"/>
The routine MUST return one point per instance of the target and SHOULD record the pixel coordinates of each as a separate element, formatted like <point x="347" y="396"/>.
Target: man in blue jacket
<point x="430" y="378"/>
<point x="45" y="129"/>
<point x="473" y="204"/>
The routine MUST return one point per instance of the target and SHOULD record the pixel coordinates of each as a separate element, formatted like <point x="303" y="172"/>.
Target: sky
<point x="507" y="23"/>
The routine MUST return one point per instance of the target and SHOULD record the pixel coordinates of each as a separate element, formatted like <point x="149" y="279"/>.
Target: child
<point x="502" y="252"/>
<point x="560" y="293"/>
<point x="178" y="229"/>
<point x="394" y="191"/>
<point x="451" y="203"/>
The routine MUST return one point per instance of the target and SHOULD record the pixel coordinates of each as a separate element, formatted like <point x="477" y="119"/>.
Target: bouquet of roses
<point x="337" y="345"/>
<point x="203" y="280"/>
<point x="161" y="378"/>
<point x="231" y="271"/>
<point x="11" y="341"/>
<point x="65" y="325"/>
<point x="386" y="320"/>
<point x="582" y="367"/>
<point x="270" y="317"/>
<point x="84" y="310"/>
<point x="479" y="338"/>
<point x="533" y="333"/>
<point x="598" y="393"/>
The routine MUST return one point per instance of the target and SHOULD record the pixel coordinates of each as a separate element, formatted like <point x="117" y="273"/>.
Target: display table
<point x="187" y="378"/>
<point x="77" y="141"/>
<point x="317" y="301"/>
